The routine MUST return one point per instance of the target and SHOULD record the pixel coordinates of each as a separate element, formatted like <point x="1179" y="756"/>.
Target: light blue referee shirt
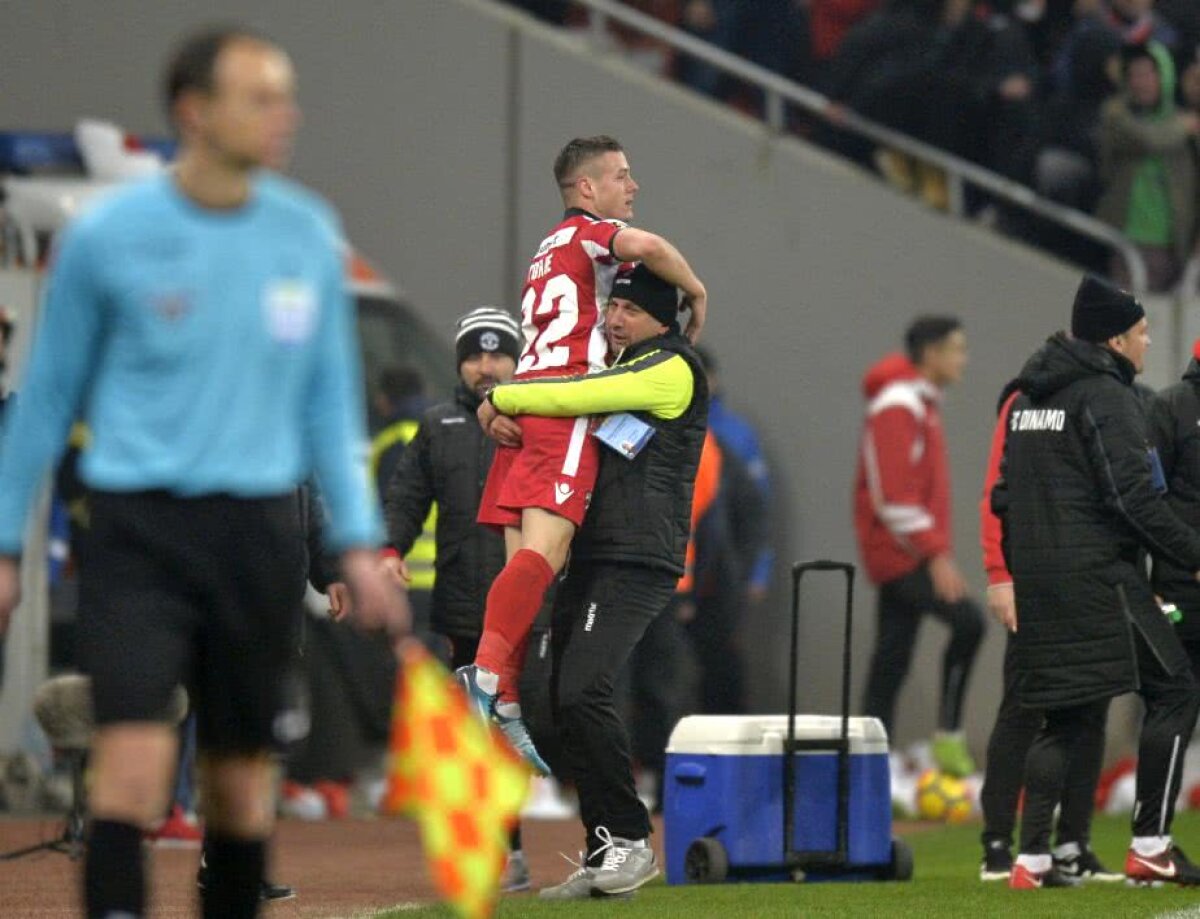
<point x="209" y="352"/>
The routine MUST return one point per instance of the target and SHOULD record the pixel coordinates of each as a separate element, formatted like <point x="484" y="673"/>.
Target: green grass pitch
<point x="945" y="883"/>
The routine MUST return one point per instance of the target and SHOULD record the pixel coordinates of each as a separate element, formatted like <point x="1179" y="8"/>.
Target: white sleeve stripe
<point x="901" y="518"/>
<point x="595" y="250"/>
<point x="579" y="432"/>
<point x="901" y="394"/>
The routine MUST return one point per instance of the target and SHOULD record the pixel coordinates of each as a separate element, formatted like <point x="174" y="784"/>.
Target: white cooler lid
<point x="749" y="735"/>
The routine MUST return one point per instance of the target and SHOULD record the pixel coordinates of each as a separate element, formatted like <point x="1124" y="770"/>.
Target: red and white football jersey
<point x="562" y="304"/>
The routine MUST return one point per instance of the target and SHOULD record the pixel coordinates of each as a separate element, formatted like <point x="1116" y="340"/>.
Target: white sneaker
<point x="626" y="866"/>
<point x="516" y="874"/>
<point x="303" y="803"/>
<point x="577" y="886"/>
<point x="581" y="883"/>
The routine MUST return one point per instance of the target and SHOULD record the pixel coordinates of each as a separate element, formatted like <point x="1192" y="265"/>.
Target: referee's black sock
<point x="235" y="875"/>
<point x="114" y="877"/>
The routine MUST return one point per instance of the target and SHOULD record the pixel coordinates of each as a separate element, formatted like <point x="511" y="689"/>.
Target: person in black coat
<point x="447" y="464"/>
<point x="1174" y="416"/>
<point x="1080" y="498"/>
<point x="8" y="326"/>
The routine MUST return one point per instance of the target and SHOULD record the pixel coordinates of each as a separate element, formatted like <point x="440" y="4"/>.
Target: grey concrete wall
<point x="433" y="124"/>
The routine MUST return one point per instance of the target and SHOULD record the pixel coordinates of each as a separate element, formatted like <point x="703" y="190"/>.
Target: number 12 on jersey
<point x="560" y="297"/>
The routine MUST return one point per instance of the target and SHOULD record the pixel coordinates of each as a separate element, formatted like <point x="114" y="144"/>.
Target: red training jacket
<point x="831" y="20"/>
<point x="902" y="487"/>
<point x="989" y="523"/>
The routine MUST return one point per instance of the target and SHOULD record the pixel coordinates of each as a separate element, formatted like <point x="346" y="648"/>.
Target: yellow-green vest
<point x="423" y="555"/>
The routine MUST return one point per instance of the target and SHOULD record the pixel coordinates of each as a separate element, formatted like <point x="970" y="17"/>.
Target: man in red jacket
<point x="902" y="515"/>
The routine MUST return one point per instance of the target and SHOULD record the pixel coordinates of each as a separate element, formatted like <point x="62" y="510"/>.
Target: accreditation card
<point x="624" y="433"/>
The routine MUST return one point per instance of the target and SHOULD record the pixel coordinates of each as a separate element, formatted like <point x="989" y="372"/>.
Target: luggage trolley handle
<point x="798" y="572"/>
<point x="842" y="745"/>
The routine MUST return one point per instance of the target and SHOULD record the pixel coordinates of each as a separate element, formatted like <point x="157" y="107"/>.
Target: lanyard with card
<point x="624" y="433"/>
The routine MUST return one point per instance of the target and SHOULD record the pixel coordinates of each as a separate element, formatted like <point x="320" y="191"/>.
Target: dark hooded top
<point x="1175" y="431"/>
<point x="1080" y="496"/>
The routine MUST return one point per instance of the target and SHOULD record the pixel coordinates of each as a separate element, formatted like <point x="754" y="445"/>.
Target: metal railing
<point x="1191" y="279"/>
<point x="779" y="91"/>
<point x="1187" y="311"/>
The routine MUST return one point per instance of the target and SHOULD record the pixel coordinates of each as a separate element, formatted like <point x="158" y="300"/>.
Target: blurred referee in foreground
<point x="197" y="322"/>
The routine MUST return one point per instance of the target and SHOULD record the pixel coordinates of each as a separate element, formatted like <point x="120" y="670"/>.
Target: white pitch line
<point x="397" y="908"/>
<point x="1192" y="912"/>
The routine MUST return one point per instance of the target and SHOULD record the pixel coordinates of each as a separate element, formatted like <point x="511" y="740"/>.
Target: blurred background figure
<point x="732" y="563"/>
<point x="1189" y="87"/>
<point x="397" y="404"/>
<point x="830" y="21"/>
<point x="902" y="516"/>
<point x="1148" y="166"/>
<point x="954" y="74"/>
<point x="738" y="435"/>
<point x="767" y="32"/>
<point x="7" y="328"/>
<point x="1067" y="164"/>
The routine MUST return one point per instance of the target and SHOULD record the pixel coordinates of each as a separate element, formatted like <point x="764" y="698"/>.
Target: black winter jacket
<point x="641" y="510"/>
<point x="1175" y="431"/>
<point x="448" y="462"/>
<point x="1078" y="501"/>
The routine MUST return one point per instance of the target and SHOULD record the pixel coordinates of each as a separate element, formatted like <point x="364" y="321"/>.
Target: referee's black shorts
<point x="202" y="592"/>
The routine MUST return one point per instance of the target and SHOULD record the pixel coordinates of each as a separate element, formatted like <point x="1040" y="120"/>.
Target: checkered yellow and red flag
<point x="458" y="777"/>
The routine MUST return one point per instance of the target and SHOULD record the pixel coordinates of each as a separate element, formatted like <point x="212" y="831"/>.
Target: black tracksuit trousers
<point x="1171" y="706"/>
<point x="1012" y="736"/>
<point x="600" y="614"/>
<point x="902" y="604"/>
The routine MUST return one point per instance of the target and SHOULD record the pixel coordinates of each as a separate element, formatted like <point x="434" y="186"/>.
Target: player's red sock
<point x="510" y="676"/>
<point x="512" y="605"/>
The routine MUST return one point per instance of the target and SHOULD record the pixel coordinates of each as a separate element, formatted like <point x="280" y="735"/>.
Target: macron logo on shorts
<point x="562" y="492"/>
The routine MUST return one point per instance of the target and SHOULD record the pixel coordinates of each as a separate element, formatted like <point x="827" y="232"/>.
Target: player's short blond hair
<point x="579" y="151"/>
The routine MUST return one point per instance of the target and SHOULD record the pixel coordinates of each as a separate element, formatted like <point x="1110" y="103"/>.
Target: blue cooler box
<point x="724" y="782"/>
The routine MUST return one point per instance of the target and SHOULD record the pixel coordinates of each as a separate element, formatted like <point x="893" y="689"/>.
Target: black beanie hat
<point x="487" y="329"/>
<point x="656" y="296"/>
<point x="1103" y="310"/>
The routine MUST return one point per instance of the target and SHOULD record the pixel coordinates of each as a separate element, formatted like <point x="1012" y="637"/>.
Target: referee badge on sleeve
<point x="291" y="309"/>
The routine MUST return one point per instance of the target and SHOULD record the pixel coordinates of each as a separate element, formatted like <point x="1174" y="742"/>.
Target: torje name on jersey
<point x="540" y="267"/>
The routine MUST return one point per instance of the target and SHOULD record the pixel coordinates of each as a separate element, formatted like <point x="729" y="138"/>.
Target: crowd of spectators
<point x="1095" y="104"/>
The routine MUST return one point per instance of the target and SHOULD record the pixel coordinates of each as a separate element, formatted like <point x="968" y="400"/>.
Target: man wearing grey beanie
<point x="444" y="468"/>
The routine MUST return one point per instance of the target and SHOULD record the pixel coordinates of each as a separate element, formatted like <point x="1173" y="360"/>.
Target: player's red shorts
<point x="554" y="468"/>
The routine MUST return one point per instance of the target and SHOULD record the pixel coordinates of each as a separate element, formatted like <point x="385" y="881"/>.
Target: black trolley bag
<point x="708" y="860"/>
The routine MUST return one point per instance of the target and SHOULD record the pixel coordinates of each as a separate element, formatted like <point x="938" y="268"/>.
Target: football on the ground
<point x="941" y="796"/>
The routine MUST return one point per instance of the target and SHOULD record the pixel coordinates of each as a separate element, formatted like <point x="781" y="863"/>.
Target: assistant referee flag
<point x="458" y="777"/>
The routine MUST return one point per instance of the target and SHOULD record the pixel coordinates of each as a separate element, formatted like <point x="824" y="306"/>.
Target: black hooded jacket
<point x="448" y="462"/>
<point x="643" y="508"/>
<point x="1175" y="431"/>
<point x="1079" y="498"/>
